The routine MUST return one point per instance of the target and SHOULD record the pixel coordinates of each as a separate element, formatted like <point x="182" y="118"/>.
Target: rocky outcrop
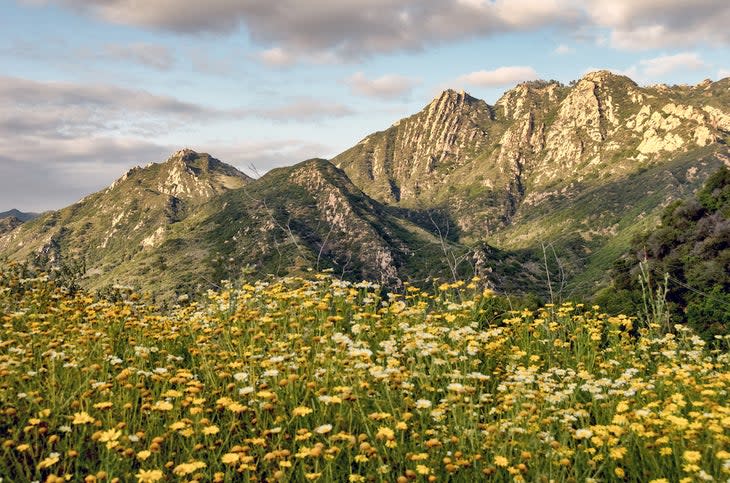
<point x="485" y="164"/>
<point x="413" y="157"/>
<point x="348" y="231"/>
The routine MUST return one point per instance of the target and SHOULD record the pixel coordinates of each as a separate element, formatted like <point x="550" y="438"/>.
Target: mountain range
<point x="11" y="219"/>
<point x="540" y="192"/>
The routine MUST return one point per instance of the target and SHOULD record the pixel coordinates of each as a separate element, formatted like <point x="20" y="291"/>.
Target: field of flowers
<point x="297" y="380"/>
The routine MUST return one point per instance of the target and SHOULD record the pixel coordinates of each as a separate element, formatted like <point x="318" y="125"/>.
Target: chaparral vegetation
<point x="296" y="379"/>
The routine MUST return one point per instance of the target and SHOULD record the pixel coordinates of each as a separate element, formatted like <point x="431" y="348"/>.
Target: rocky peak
<point x="451" y="100"/>
<point x="528" y="97"/>
<point x="591" y="110"/>
<point x="605" y="77"/>
<point x="185" y="154"/>
<point x="704" y="84"/>
<point x="415" y="154"/>
<point x="202" y="164"/>
<point x="453" y="104"/>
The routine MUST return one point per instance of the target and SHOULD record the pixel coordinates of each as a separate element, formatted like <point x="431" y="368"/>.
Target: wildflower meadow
<point x="316" y="379"/>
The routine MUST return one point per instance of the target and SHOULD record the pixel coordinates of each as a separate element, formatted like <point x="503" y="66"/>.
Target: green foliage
<point x="715" y="196"/>
<point x="711" y="312"/>
<point x="691" y="250"/>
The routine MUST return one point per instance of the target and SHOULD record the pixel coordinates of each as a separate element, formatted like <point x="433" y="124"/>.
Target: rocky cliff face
<point x="538" y="166"/>
<point x="538" y="140"/>
<point x="414" y="157"/>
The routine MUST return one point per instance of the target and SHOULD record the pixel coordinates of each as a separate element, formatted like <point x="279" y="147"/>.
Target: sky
<point x="91" y="88"/>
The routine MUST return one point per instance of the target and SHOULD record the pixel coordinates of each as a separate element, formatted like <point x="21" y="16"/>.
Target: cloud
<point x="563" y="49"/>
<point x="61" y="140"/>
<point x="665" y="64"/>
<point x="276" y="56"/>
<point x="385" y="87"/>
<point x="49" y="174"/>
<point x="351" y="29"/>
<point x="656" y="68"/>
<point x="501" y="76"/>
<point x="63" y="110"/>
<point x="722" y="73"/>
<point x="347" y="30"/>
<point x="650" y="24"/>
<point x="279" y="57"/>
<point x="151" y="55"/>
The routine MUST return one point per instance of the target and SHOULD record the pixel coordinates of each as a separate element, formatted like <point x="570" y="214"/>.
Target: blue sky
<point x="91" y="88"/>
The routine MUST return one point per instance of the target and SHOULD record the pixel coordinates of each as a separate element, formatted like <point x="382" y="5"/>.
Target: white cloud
<point x="348" y="30"/>
<point x="65" y="110"/>
<point x="563" y="49"/>
<point x="650" y="24"/>
<point x="276" y="56"/>
<point x="501" y="76"/>
<point x="59" y="141"/>
<point x="38" y="173"/>
<point x="665" y="64"/>
<point x="389" y="86"/>
<point x="722" y="73"/>
<point x="345" y="30"/>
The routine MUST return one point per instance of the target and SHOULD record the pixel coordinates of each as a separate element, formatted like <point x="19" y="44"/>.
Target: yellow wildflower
<point x="143" y="455"/>
<point x="501" y="461"/>
<point x="51" y="460"/>
<point x="149" y="476"/>
<point x="83" y="418"/>
<point x="188" y="468"/>
<point x="385" y="432"/>
<point x="692" y="456"/>
<point x="162" y="406"/>
<point x="230" y="458"/>
<point x="617" y="453"/>
<point x="301" y="411"/>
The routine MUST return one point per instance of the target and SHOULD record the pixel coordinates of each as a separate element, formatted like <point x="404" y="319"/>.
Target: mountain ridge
<point x="20" y="215"/>
<point x="457" y="189"/>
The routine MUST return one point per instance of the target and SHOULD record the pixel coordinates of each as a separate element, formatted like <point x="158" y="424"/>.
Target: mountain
<point x="540" y="192"/>
<point x="184" y="225"/>
<point x="410" y="160"/>
<point x="129" y="217"/>
<point x="12" y="219"/>
<point x="21" y="216"/>
<point x="294" y="219"/>
<point x="578" y="169"/>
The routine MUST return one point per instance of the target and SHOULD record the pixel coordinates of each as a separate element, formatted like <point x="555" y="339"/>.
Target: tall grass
<point x="317" y="379"/>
